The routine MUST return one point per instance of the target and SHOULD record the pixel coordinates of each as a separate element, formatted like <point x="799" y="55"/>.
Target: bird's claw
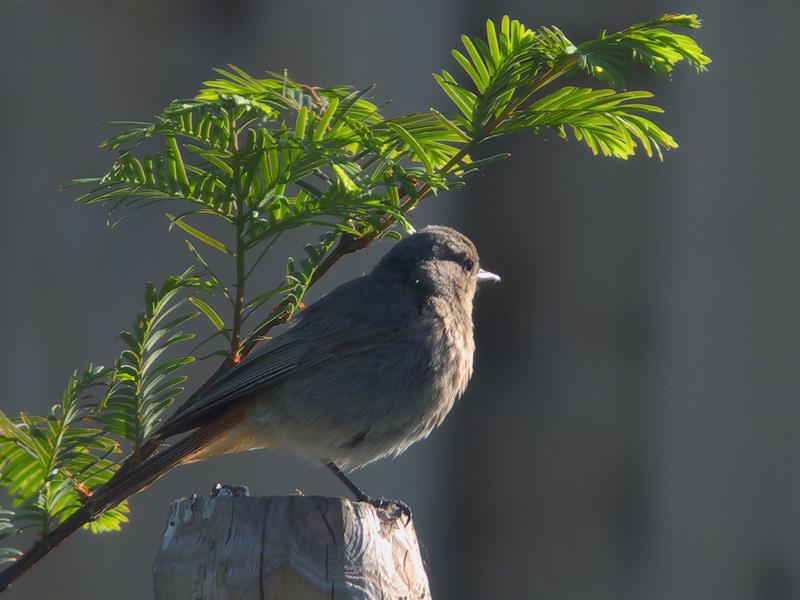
<point x="397" y="506"/>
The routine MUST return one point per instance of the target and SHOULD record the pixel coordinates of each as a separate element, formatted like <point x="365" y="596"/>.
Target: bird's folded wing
<point x="285" y="356"/>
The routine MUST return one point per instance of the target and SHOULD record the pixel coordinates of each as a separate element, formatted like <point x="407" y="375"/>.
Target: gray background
<point x="632" y="428"/>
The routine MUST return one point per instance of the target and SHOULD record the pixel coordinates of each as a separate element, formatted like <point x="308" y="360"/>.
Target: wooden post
<point x="227" y="547"/>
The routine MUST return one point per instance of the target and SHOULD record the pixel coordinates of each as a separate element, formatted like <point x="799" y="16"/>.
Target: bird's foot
<point x="221" y="490"/>
<point x="398" y="507"/>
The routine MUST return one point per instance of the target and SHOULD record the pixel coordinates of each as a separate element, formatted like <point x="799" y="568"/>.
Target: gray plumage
<point x="365" y="372"/>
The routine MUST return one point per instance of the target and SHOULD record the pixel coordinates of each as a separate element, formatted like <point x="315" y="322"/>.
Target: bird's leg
<point x="356" y="491"/>
<point x="362" y="496"/>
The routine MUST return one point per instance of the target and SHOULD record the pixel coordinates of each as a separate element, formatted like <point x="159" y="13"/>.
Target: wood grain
<point x="287" y="547"/>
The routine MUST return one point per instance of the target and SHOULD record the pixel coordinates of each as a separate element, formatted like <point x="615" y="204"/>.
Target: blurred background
<point x="633" y="427"/>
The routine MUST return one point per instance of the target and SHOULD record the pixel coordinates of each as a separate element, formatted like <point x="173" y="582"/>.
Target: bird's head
<point x="438" y="260"/>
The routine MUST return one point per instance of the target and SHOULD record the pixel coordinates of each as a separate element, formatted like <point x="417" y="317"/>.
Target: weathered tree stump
<point x="287" y="548"/>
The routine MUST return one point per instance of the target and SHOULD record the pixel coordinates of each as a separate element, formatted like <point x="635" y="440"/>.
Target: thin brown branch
<point x="349" y="244"/>
<point x="42" y="547"/>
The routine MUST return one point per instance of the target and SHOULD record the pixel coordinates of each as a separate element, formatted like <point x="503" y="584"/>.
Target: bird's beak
<point x="487" y="277"/>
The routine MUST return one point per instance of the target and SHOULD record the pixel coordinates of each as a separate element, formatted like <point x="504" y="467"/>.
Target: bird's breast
<point x="453" y="349"/>
<point x="361" y="406"/>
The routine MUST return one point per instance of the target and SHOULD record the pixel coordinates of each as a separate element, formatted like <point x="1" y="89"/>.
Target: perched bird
<point x="366" y="371"/>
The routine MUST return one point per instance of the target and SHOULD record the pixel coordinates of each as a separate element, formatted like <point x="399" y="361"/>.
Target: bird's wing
<point x="267" y="367"/>
<point x="296" y="351"/>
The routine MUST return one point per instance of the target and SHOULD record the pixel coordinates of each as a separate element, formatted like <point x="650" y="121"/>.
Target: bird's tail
<point x="138" y="477"/>
<point x="131" y="478"/>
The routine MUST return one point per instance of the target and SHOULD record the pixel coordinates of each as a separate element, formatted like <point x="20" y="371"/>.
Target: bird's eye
<point x="469" y="264"/>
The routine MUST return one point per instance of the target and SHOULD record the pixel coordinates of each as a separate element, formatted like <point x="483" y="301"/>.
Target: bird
<point x="366" y="371"/>
<point x="363" y="373"/>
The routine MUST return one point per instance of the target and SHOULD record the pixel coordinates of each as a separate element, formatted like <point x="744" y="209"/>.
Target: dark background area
<point x="632" y="428"/>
